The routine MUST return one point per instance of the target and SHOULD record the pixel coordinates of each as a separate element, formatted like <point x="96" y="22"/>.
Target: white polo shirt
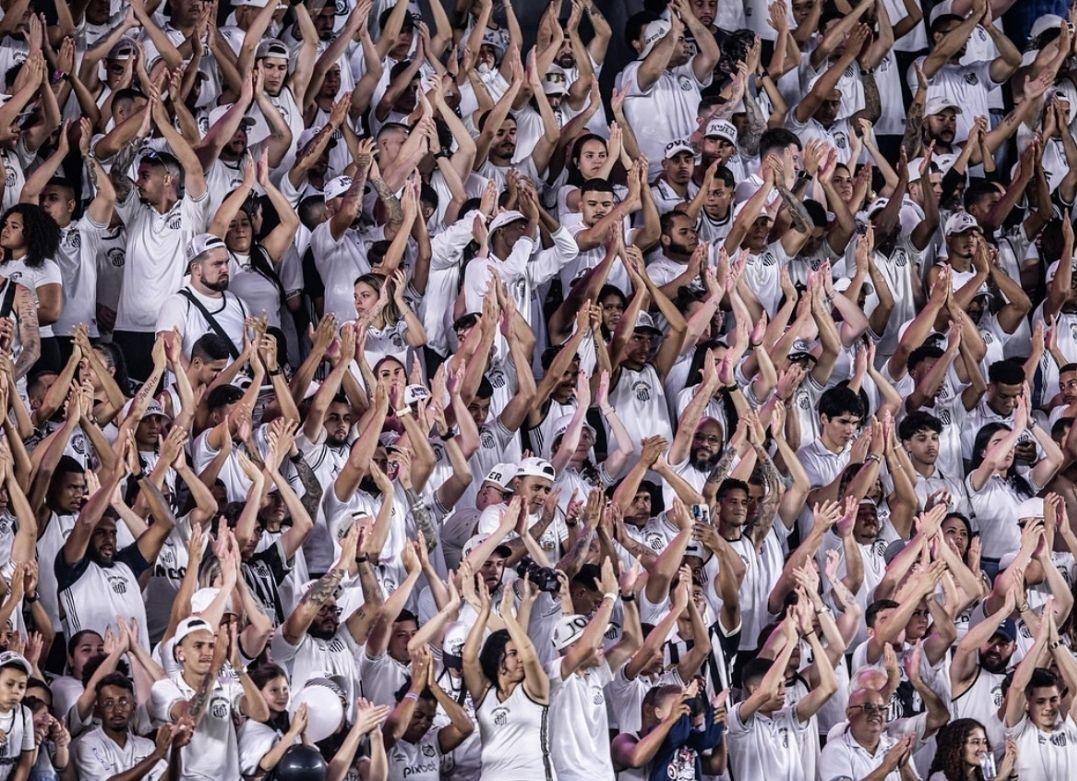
<point x="843" y="758"/>
<point x="213" y="752"/>
<point x="767" y="746"/>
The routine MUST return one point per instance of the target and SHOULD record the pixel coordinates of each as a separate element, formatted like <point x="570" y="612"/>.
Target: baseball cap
<point x="478" y="539"/>
<point x="501" y="475"/>
<point x="308" y="135"/>
<point x="938" y="104"/>
<point x="217" y="112"/>
<point x="12" y="659"/>
<point x="677" y="146"/>
<point x="335" y="188"/>
<point x="203" y="242"/>
<point x="1030" y="508"/>
<point x="562" y="424"/>
<point x="644" y="322"/>
<point x="1007" y="629"/>
<point x="721" y="128"/>
<point x="569" y="629"/>
<point x="503" y="219"/>
<point x="123" y="49"/>
<point x="1043" y="24"/>
<point x="914" y="172"/>
<point x="877" y="206"/>
<point x="272" y="47"/>
<point x="189" y="626"/>
<point x="155" y="408"/>
<point x="536" y="467"/>
<point x="250" y="3"/>
<point x="555" y="81"/>
<point x="959" y="222"/>
<point x="652" y="34"/>
<point x="945" y="8"/>
<point x="414" y="393"/>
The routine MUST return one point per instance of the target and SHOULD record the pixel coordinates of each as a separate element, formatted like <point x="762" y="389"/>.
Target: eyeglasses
<point x="708" y="440"/>
<point x="870" y="709"/>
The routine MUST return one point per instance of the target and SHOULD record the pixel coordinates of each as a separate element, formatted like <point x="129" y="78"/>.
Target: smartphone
<point x="701" y="513"/>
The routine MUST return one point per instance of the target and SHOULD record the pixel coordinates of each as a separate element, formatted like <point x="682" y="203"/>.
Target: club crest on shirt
<point x="116" y="256"/>
<point x="496" y="379"/>
<point x="219" y="708"/>
<point x="972" y="78"/>
<point x="72" y="239"/>
<point x="501" y="716"/>
<point x="119" y="585"/>
<point x="768" y="259"/>
<point x="486" y="437"/>
<point x="642" y="390"/>
<point x="174" y="222"/>
<point x="5" y="526"/>
<point x="901" y="258"/>
<point x="428" y="750"/>
<point x="685" y="82"/>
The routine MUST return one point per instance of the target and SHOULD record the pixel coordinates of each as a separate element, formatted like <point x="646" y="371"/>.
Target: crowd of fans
<point x="391" y="396"/>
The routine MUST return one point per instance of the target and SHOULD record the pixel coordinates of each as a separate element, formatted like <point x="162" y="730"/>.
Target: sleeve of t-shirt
<point x="162" y="696"/>
<point x="68" y="574"/>
<point x="281" y="648"/>
<point x="834" y="762"/>
<point x="88" y="760"/>
<point x="133" y="558"/>
<point x="195" y="211"/>
<point x="173" y="314"/>
<point x="27" y="732"/>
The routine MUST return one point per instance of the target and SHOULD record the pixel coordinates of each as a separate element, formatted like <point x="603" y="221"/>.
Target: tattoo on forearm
<point x="872" y="104"/>
<point x="802" y="221"/>
<point x="201" y="696"/>
<point x="312" y="489"/>
<point x="723" y="467"/>
<point x="757" y="123"/>
<point x="327" y="584"/>
<point x="913" y="126"/>
<point x="392" y="203"/>
<point x="121" y="162"/>
<point x="421" y="512"/>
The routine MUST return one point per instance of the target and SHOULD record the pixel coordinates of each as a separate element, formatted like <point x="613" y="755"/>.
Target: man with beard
<point x="313" y="643"/>
<point x="979" y="668"/>
<point x="204" y="305"/>
<point x="112" y="749"/>
<point x="966" y="85"/>
<point x="663" y="85"/>
<point x="1046" y="735"/>
<point x="98" y="584"/>
<point x="682" y="255"/>
<point x="700" y="439"/>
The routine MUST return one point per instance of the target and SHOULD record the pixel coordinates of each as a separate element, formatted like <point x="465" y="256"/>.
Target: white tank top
<point x="515" y="737"/>
<point x="981" y="701"/>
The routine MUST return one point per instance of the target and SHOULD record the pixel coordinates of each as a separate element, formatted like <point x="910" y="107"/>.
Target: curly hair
<point x="40" y="233"/>
<point x="949" y="758"/>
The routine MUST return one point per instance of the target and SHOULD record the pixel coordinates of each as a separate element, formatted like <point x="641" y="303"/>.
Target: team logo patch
<point x="73" y="240"/>
<point x="116" y="256"/>
<point x="174" y="222"/>
<point x="486" y="438"/>
<point x="972" y="78"/>
<point x="685" y="82"/>
<point x="119" y="585"/>
<point x="901" y="258"/>
<point x="496" y="378"/>
<point x="219" y="708"/>
<point x="642" y="390"/>
<point x="428" y="750"/>
<point x="768" y="259"/>
<point x="501" y="717"/>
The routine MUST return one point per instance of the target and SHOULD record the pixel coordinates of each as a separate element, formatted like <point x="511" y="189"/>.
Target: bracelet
<point x="610" y="595"/>
<point x="413" y="696"/>
<point x="362" y="559"/>
<point x="629" y="597"/>
<point x="823" y="609"/>
<point x="571" y="525"/>
<point x="1053" y="645"/>
<point x="275" y="372"/>
<point x="809" y="633"/>
<point x="31" y="598"/>
<point x="874" y="457"/>
<point x="402" y="412"/>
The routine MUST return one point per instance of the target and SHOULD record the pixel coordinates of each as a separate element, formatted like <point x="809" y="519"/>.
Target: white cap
<point x="155" y="408"/>
<point x="562" y="424"/>
<point x="938" y="104"/>
<point x="536" y="467"/>
<point x="946" y="7"/>
<point x="959" y="222"/>
<point x="217" y="112"/>
<point x="676" y="146"/>
<point x="13" y="659"/>
<point x="653" y="33"/>
<point x="477" y="540"/>
<point x="501" y="475"/>
<point x="569" y="629"/>
<point x="1043" y="24"/>
<point x="335" y="188"/>
<point x="250" y="3"/>
<point x="877" y="205"/>
<point x="721" y="128"/>
<point x="555" y="82"/>
<point x="272" y="47"/>
<point x="201" y="243"/>
<point x="503" y="219"/>
<point x="414" y="393"/>
<point x="189" y="626"/>
<point x="1030" y="508"/>
<point x="914" y="171"/>
<point x="842" y="284"/>
<point x="644" y="322"/>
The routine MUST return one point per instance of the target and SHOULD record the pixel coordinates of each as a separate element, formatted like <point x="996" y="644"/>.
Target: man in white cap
<point x="578" y="676"/>
<point x="663" y="85"/>
<point x="675" y="185"/>
<point x="532" y="484"/>
<point x="966" y="85"/>
<point x="719" y="143"/>
<point x="818" y="115"/>
<point x="495" y="489"/>
<point x="940" y="123"/>
<point x="338" y="248"/>
<point x="204" y="305"/>
<point x="516" y="255"/>
<point x="197" y="694"/>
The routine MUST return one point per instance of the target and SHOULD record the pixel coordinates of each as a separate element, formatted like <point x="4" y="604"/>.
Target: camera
<point x="542" y="578"/>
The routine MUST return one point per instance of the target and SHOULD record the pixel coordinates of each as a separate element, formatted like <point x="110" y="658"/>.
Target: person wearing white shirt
<point x="204" y="305"/>
<point x="1046" y="735"/>
<point x="112" y="749"/>
<point x="196" y="691"/>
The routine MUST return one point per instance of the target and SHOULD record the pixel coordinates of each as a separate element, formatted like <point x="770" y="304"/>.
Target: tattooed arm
<point x="757" y="123"/>
<point x="295" y="626"/>
<point x="312" y="489"/>
<point x="394" y="211"/>
<point x="121" y="182"/>
<point x="914" y="123"/>
<point x="720" y="472"/>
<point x="872" y="106"/>
<point x="420" y="511"/>
<point x="29" y="334"/>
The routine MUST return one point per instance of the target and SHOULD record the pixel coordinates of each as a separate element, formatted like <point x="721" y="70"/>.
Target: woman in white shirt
<point x="964" y="754"/>
<point x="392" y="329"/>
<point x="30" y="239"/>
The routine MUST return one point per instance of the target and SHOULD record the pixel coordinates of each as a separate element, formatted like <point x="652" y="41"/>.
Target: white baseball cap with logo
<point x="721" y="128"/>
<point x="652" y="34"/>
<point x="336" y="187"/>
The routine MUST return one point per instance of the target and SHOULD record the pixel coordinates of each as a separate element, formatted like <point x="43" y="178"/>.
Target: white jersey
<point x="515" y="737"/>
<point x="18" y="728"/>
<point x="767" y="746"/>
<point x="213" y="752"/>
<point x="981" y="701"/>
<point x="420" y="761"/>
<point x="77" y="259"/>
<point x="93" y="596"/>
<point x="180" y="312"/>
<point x="32" y="278"/>
<point x="313" y="657"/>
<point x="640" y="401"/>
<point x="1045" y="756"/>
<point x="580" y="730"/>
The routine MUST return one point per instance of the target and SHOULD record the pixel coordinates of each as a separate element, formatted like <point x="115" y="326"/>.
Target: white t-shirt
<point x="339" y="262"/>
<point x="77" y="260"/>
<point x="180" y="313"/>
<point x="18" y="726"/>
<point x="213" y="752"/>
<point x="156" y="256"/>
<point x="48" y="273"/>
<point x="99" y="756"/>
<point x="579" y="730"/>
<point x="767" y="746"/>
<point x="1045" y="756"/>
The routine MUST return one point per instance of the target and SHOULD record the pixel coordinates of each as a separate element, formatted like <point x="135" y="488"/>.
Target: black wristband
<point x="31" y="598"/>
<point x="629" y="597"/>
<point x="275" y="372"/>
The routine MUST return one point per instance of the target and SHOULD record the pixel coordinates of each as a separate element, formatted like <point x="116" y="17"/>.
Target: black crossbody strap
<point x="211" y="321"/>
